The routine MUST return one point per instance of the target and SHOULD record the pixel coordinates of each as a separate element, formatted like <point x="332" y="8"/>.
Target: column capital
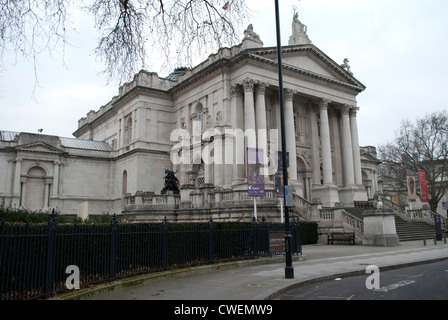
<point x="345" y="109"/>
<point x="235" y="90"/>
<point x="261" y="87"/>
<point x="353" y="111"/>
<point x="323" y="103"/>
<point x="248" y="84"/>
<point x="289" y="94"/>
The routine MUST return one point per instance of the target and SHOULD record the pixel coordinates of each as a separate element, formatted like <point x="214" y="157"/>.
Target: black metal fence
<point x="35" y="260"/>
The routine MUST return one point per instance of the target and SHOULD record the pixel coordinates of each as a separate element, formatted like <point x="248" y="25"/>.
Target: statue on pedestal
<point x="171" y="182"/>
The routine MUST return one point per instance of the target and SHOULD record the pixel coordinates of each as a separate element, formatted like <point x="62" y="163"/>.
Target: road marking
<point x="330" y="297"/>
<point x="394" y="286"/>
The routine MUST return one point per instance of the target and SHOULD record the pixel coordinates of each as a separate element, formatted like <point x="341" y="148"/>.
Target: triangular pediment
<point x="309" y="60"/>
<point x="39" y="147"/>
<point x="366" y="156"/>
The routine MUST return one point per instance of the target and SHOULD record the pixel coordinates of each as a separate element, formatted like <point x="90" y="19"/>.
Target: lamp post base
<point x="289" y="272"/>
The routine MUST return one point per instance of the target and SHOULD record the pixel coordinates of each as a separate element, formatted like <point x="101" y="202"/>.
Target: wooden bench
<point x="363" y="204"/>
<point x="341" y="236"/>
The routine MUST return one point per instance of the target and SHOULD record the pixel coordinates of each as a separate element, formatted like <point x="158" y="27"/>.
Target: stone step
<point x="406" y="230"/>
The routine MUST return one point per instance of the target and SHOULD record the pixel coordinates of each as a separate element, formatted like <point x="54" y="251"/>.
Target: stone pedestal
<point x="185" y="192"/>
<point x="348" y="195"/>
<point x="327" y="192"/>
<point x="379" y="228"/>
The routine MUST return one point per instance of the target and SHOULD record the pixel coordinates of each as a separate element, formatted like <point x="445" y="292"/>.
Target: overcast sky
<point x="397" y="48"/>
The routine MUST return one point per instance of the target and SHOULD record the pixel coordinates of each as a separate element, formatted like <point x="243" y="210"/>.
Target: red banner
<point x="423" y="186"/>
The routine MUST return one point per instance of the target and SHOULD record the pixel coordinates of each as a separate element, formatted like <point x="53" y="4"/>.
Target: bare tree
<point x="28" y="28"/>
<point x="418" y="146"/>
<point x="130" y="32"/>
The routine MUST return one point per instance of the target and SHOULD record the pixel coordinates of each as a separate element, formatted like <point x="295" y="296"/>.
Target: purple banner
<point x="255" y="181"/>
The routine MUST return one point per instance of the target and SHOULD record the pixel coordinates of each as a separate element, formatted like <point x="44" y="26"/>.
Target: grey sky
<point x="396" y="48"/>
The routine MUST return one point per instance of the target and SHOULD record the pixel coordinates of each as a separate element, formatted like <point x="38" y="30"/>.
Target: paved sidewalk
<point x="266" y="281"/>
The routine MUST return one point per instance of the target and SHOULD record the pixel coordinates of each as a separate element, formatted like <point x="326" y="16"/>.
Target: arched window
<point x="128" y="130"/>
<point x="200" y="116"/>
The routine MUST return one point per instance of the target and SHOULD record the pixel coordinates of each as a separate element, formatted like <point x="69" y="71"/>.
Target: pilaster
<point x="327" y="168"/>
<point x="347" y="150"/>
<point x="290" y="135"/>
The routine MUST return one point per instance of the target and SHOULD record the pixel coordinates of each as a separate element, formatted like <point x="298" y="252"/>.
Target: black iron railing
<point x="35" y="259"/>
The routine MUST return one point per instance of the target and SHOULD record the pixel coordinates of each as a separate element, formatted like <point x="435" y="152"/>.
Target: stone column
<point x="22" y="195"/>
<point x="249" y="112"/>
<point x="9" y="178"/>
<point x="316" y="145"/>
<point x="327" y="168"/>
<point x="355" y="146"/>
<point x="56" y="178"/>
<point x="225" y="123"/>
<point x="261" y="122"/>
<point x="47" y="194"/>
<point x="290" y="135"/>
<point x="17" y="177"/>
<point x="237" y="118"/>
<point x="347" y="150"/>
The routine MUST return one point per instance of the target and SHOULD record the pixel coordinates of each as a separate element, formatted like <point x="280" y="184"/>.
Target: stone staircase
<point x="409" y="231"/>
<point x="406" y="230"/>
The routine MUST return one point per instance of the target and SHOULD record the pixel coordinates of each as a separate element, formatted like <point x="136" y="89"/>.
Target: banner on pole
<point x="255" y="181"/>
<point x="423" y="186"/>
<point x="279" y="188"/>
<point x="411" y="187"/>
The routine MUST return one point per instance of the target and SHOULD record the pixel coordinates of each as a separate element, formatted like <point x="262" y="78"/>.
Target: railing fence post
<point x="49" y="279"/>
<point x="210" y="241"/>
<point x="165" y="244"/>
<point x="264" y="236"/>
<point x="113" y="246"/>
<point x="254" y="238"/>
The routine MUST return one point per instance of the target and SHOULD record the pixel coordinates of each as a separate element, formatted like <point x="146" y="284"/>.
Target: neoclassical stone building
<point x="198" y="122"/>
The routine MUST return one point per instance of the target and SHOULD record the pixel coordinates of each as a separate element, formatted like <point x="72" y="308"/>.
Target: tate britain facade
<point x="198" y="123"/>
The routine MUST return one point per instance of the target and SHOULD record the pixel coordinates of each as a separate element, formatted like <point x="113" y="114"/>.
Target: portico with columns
<point x="257" y="95"/>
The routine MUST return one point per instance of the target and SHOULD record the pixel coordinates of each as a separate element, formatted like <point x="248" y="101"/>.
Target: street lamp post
<point x="289" y="270"/>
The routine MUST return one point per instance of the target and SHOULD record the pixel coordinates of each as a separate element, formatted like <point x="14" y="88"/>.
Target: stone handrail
<point x="389" y="204"/>
<point x="210" y="197"/>
<point x="416" y="214"/>
<point x="152" y="201"/>
<point x="242" y="195"/>
<point x="303" y="204"/>
<point x="423" y="214"/>
<point x="326" y="214"/>
<point x="353" y="221"/>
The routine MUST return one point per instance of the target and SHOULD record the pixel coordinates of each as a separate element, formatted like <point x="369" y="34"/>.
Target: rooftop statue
<point x="250" y="34"/>
<point x="297" y="26"/>
<point x="346" y="66"/>
<point x="299" y="35"/>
